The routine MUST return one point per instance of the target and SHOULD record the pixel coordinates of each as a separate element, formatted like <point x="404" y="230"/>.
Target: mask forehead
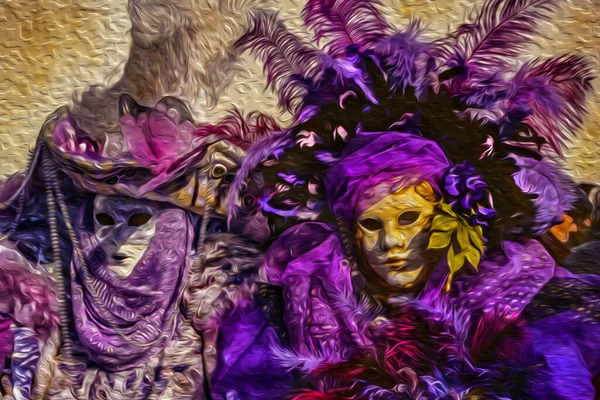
<point x="394" y="203"/>
<point x="387" y="231"/>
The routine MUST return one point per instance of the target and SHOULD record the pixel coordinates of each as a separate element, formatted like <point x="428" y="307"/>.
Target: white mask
<point x="124" y="229"/>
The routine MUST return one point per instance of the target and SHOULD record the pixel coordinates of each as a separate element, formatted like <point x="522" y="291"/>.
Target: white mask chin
<point x="124" y="229"/>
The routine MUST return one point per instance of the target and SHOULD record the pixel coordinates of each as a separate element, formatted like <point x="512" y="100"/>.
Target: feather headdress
<point x="470" y="92"/>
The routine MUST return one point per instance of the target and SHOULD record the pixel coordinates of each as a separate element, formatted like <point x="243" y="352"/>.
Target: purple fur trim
<point x="346" y="23"/>
<point x="554" y="190"/>
<point x="28" y="299"/>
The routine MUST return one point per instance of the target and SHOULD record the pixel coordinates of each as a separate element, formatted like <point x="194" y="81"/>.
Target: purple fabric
<point x="69" y="139"/>
<point x="25" y="358"/>
<point x="308" y="262"/>
<point x="505" y="284"/>
<point x="305" y="262"/>
<point x="246" y="368"/>
<point x="566" y="346"/>
<point x="6" y="340"/>
<point x="376" y="164"/>
<point x="465" y="190"/>
<point x="143" y="306"/>
<point x="155" y="139"/>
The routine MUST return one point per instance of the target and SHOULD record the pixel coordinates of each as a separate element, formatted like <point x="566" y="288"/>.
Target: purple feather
<point x="287" y="60"/>
<point x="405" y="57"/>
<point x="345" y="23"/>
<point x="554" y="93"/>
<point x="554" y="190"/>
<point x="259" y="152"/>
<point x="340" y="75"/>
<point x="486" y="48"/>
<point x="499" y="34"/>
<point x="326" y="157"/>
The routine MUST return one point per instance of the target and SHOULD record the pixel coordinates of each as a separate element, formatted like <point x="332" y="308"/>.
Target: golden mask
<point x="387" y="233"/>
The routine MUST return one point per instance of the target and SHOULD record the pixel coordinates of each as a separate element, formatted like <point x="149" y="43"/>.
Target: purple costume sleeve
<point x="307" y="262"/>
<point x="560" y="310"/>
<point x="245" y="366"/>
<point x="506" y="283"/>
<point x="566" y="346"/>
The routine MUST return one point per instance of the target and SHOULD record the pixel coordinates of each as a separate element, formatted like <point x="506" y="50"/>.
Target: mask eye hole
<point x="229" y="178"/>
<point x="408" y="217"/>
<point x="371" y="224"/>
<point x="139" y="219"/>
<point x="111" y="180"/>
<point x="105" y="219"/>
<point x="249" y="201"/>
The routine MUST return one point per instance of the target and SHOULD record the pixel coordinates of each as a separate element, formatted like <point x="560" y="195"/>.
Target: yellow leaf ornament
<point x="463" y="241"/>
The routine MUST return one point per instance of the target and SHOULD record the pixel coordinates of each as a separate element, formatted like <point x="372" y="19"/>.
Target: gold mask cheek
<point x="369" y="244"/>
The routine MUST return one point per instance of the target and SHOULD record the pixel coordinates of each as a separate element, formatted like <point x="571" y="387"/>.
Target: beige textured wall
<point x="53" y="50"/>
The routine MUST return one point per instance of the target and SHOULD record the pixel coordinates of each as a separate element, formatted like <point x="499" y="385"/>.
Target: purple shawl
<point x="123" y="322"/>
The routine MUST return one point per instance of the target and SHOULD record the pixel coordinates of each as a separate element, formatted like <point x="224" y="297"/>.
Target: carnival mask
<point x="209" y="186"/>
<point x="388" y="233"/>
<point x="124" y="229"/>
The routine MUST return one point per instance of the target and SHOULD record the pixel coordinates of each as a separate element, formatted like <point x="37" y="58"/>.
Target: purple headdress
<point x="394" y="160"/>
<point x="464" y="92"/>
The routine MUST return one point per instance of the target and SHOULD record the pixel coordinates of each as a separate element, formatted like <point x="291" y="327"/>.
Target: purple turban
<point x="376" y="164"/>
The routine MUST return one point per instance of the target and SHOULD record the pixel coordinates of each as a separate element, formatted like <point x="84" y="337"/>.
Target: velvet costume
<point x="519" y="327"/>
<point x="483" y="127"/>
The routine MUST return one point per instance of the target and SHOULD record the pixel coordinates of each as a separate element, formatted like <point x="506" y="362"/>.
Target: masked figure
<point x="113" y="277"/>
<point x="414" y="188"/>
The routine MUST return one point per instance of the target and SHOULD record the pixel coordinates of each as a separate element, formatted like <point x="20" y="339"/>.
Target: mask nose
<point x="392" y="238"/>
<point x="112" y="239"/>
